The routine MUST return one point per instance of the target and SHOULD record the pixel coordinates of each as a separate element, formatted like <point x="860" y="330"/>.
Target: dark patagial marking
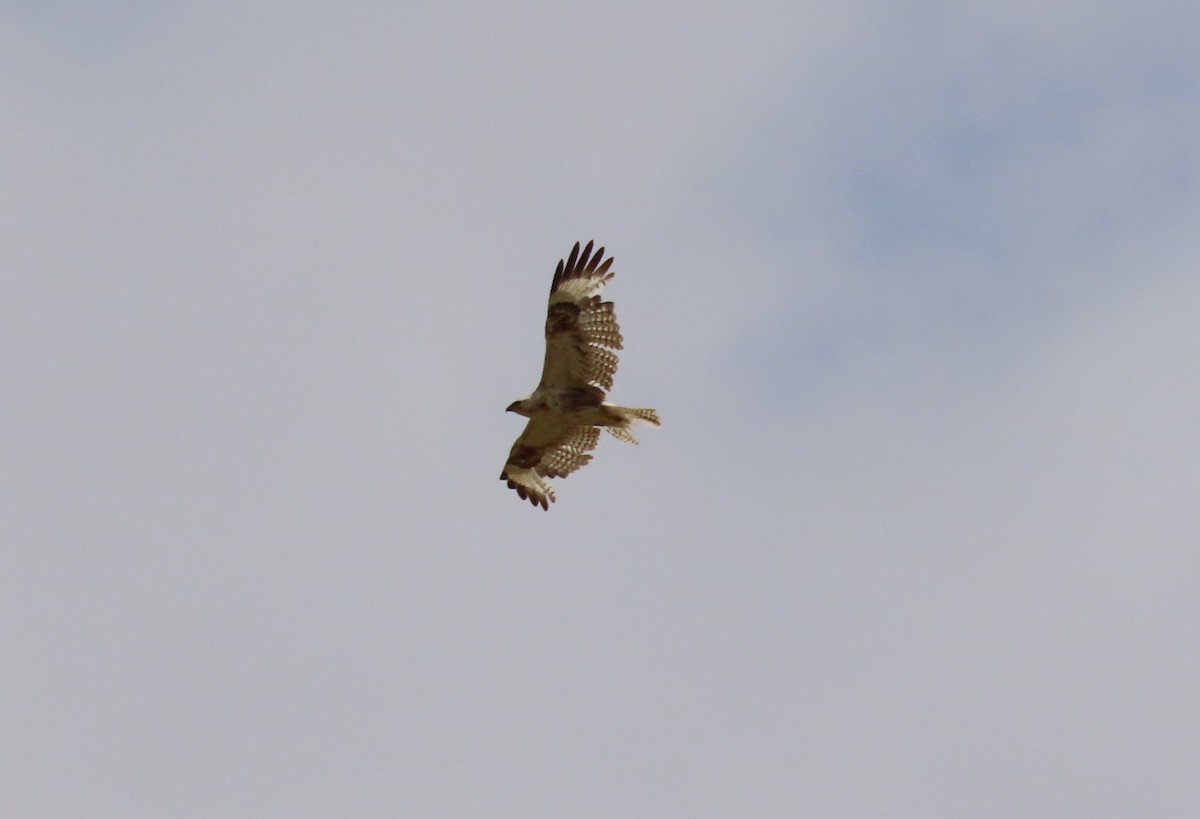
<point x="580" y="398"/>
<point x="562" y="317"/>
<point x="525" y="457"/>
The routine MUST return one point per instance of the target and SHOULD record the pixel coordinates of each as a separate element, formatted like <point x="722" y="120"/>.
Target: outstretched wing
<point x="548" y="448"/>
<point x="581" y="330"/>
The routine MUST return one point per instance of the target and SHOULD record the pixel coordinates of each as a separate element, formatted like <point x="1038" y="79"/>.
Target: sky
<point x="912" y="286"/>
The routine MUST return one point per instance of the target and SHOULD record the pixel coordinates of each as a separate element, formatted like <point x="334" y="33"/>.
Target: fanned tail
<point x="627" y="417"/>
<point x="647" y="415"/>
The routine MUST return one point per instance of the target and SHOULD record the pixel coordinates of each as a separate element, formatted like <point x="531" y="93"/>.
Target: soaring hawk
<point x="567" y="409"/>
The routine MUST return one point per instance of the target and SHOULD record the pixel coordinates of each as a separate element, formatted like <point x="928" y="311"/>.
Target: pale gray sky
<point x="915" y="292"/>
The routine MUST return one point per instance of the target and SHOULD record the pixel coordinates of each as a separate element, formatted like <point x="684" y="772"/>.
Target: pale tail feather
<point x="648" y="416"/>
<point x="630" y="416"/>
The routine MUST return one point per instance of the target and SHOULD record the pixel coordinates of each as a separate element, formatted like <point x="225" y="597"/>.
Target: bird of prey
<point x="567" y="409"/>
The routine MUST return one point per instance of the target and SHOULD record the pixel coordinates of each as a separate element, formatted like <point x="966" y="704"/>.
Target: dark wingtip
<point x="574" y="257"/>
<point x="565" y="267"/>
<point x="585" y="256"/>
<point x="581" y="260"/>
